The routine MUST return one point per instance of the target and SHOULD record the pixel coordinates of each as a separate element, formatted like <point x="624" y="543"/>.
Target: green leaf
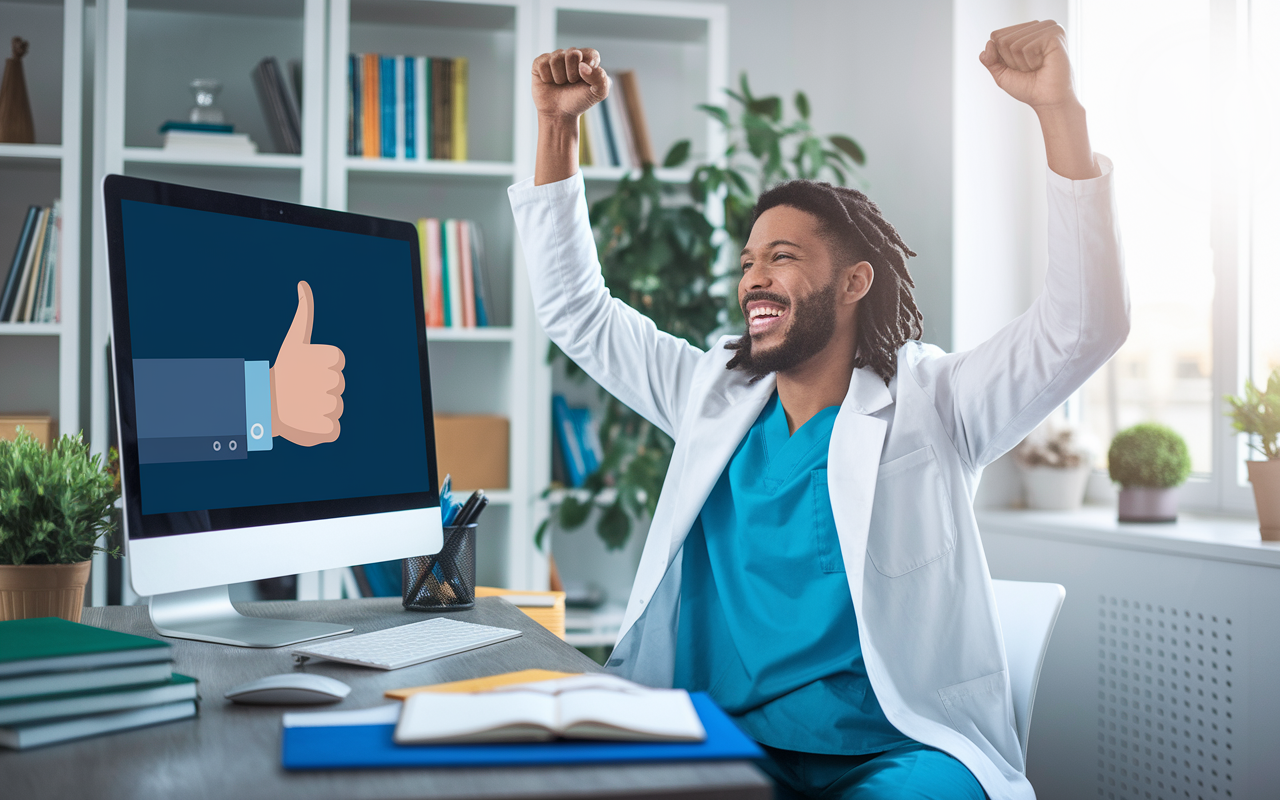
<point x="614" y="526"/>
<point x="770" y="107"/>
<point x="740" y="182"/>
<point x="850" y="147"/>
<point x="573" y="512"/>
<point x="540" y="537"/>
<point x="721" y="114"/>
<point x="678" y="154"/>
<point x="802" y="104"/>
<point x="746" y="89"/>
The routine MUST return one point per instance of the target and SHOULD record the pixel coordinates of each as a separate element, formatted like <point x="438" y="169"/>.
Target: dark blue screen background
<point x="207" y="285"/>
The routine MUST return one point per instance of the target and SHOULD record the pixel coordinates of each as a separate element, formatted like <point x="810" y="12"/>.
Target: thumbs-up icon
<point x="306" y="382"/>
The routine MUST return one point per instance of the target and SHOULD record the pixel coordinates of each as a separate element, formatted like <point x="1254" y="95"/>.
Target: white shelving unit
<point x="147" y="52"/>
<point x="40" y="362"/>
<point x="474" y="370"/>
<point x="680" y="54"/>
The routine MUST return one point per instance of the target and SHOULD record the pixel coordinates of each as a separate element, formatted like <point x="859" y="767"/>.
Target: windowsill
<point x="1220" y="538"/>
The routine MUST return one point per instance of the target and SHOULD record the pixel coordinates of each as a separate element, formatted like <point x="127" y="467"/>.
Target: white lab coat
<point x="903" y="464"/>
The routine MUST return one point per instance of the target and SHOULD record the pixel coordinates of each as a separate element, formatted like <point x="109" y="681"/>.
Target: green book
<point x="20" y="710"/>
<point x="30" y="686"/>
<point x="51" y="644"/>
<point x="21" y="737"/>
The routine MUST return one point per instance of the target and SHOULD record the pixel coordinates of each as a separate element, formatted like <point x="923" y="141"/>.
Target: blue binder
<point x="371" y="746"/>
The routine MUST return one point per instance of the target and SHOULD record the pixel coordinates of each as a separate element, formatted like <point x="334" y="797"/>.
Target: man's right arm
<point x="622" y="350"/>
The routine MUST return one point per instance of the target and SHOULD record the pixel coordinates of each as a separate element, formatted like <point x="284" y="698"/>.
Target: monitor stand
<point x="207" y="615"/>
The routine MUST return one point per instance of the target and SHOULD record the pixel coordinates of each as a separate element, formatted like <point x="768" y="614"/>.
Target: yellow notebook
<point x="483" y="684"/>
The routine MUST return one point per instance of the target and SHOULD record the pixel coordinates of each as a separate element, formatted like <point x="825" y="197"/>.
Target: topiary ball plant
<point x="1149" y="455"/>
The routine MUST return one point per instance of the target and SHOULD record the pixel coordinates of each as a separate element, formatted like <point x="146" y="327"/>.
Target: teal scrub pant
<point x="910" y="772"/>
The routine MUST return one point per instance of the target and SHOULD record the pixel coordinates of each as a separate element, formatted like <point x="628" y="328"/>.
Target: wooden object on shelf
<point x="474" y="449"/>
<point x="550" y="616"/>
<point x="16" y="124"/>
<point x="44" y="428"/>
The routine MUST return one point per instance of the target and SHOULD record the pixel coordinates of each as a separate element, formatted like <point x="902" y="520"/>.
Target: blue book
<point x="372" y="746"/>
<point x="355" y="73"/>
<point x="387" y="74"/>
<point x="615" y="158"/>
<point x="410" y="108"/>
<point x="570" y="448"/>
<point x="19" y="258"/>
<point x="587" y="439"/>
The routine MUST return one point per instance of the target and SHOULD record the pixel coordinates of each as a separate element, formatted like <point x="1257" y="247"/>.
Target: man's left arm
<point x="991" y="397"/>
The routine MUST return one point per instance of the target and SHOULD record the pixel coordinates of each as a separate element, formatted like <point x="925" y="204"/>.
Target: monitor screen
<point x="270" y="359"/>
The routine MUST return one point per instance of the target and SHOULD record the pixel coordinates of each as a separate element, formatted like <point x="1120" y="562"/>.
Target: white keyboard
<point x="406" y="645"/>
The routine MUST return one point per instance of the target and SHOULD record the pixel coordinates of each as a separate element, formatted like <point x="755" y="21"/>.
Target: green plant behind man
<point x="661" y="256"/>
<point x="1257" y="414"/>
<point x="55" y="504"/>
<point x="1149" y="455"/>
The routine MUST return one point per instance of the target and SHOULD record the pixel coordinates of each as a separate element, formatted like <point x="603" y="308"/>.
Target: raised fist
<point x="1029" y="61"/>
<point x="306" y="382"/>
<point x="568" y="82"/>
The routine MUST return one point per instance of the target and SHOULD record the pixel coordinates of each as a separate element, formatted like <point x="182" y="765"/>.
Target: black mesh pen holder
<point x="445" y="581"/>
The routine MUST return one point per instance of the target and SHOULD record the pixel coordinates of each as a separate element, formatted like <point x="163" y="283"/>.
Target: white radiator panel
<point x="1162" y="678"/>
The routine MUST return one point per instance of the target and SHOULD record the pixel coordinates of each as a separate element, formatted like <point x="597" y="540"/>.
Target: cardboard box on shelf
<point x="473" y="448"/>
<point x="43" y="428"/>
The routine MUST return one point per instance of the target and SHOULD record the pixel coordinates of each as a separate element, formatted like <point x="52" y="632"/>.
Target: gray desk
<point x="233" y="751"/>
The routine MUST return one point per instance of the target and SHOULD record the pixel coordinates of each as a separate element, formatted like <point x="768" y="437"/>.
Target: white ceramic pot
<point x="1265" y="477"/>
<point x="1055" y="488"/>
<point x="1146" y="504"/>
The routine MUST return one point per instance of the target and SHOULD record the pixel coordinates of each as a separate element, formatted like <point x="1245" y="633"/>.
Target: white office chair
<point x="1028" y="612"/>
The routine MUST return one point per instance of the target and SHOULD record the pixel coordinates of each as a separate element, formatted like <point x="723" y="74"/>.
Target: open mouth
<point x="764" y="316"/>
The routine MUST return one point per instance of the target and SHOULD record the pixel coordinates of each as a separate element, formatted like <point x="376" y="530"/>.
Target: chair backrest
<point x="1027" y="612"/>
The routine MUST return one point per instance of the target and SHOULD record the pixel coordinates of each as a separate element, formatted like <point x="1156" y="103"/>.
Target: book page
<point x="574" y="683"/>
<point x="489" y="717"/>
<point x="655" y="715"/>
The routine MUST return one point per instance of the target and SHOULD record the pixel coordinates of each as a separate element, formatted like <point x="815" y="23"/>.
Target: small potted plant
<point x="55" y="506"/>
<point x="1054" y="467"/>
<point x="1149" y="461"/>
<point x="1258" y="414"/>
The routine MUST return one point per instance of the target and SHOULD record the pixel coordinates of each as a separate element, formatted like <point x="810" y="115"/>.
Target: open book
<point x="581" y="707"/>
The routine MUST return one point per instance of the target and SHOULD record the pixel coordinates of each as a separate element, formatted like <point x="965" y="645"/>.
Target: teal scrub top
<point x="767" y="625"/>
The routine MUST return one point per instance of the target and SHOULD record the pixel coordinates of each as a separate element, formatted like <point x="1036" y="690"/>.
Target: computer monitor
<point x="272" y="395"/>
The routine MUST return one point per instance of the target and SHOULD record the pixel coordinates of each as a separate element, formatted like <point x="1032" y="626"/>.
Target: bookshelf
<point x="679" y="52"/>
<point x="147" y="52"/>
<point x="40" y="362"/>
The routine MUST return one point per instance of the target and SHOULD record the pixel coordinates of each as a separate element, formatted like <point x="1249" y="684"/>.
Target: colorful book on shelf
<point x="422" y="107"/>
<point x="16" y="264"/>
<point x="387" y="111"/>
<point x="454" y="283"/>
<point x="354" y="107"/>
<point x="196" y="127"/>
<point x="567" y="437"/>
<point x="371" y="145"/>
<point x="617" y="101"/>
<point x="410" y="115"/>
<point x="279" y="106"/>
<point x="441" y="112"/>
<point x="610" y="139"/>
<point x="459" y="110"/>
<point x="636" y="116"/>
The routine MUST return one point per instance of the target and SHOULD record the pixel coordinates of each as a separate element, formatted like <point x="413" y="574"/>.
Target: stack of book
<point x="280" y="105"/>
<point x="61" y="680"/>
<point x="579" y="453"/>
<point x="614" y="132"/>
<point x="32" y="284"/>
<point x="406" y="107"/>
<point x="205" y="138"/>
<point x="454" y="285"/>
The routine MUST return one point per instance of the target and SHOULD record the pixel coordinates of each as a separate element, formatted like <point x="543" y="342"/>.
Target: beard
<point x="813" y="323"/>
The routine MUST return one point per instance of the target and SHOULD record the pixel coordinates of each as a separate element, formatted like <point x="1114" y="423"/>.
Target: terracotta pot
<point x="43" y="590"/>
<point x="1265" y="477"/>
<point x="1054" y="488"/>
<point x="1146" y="504"/>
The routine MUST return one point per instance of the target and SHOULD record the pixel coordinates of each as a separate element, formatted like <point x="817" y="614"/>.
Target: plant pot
<point x="42" y="590"/>
<point x="1147" y="504"/>
<point x="1265" y="477"/>
<point x="1054" y="488"/>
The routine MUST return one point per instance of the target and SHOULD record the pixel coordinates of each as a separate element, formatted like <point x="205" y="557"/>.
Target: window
<point x="1198" y="186"/>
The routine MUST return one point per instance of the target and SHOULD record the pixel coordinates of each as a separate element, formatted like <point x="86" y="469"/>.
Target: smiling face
<point x="794" y="295"/>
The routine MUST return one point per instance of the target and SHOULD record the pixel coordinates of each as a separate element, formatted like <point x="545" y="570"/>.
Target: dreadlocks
<point x="856" y="231"/>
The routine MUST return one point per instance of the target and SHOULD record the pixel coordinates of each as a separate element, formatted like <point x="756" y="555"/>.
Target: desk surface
<point x="234" y="751"/>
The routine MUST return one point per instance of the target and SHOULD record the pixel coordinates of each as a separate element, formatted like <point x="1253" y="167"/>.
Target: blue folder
<point x="371" y="746"/>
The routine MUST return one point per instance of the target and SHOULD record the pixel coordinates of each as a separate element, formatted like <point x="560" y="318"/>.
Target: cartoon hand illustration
<point x="306" y="382"/>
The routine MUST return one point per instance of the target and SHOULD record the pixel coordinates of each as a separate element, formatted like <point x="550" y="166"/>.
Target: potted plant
<point x="1054" y="467"/>
<point x="1149" y="461"/>
<point x="1258" y="414"/>
<point x="55" y="505"/>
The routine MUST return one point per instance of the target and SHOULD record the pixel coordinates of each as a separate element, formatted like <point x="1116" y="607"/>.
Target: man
<point x="814" y="562"/>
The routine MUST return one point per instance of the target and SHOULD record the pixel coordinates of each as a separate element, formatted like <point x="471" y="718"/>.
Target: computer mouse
<point x="289" y="689"/>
